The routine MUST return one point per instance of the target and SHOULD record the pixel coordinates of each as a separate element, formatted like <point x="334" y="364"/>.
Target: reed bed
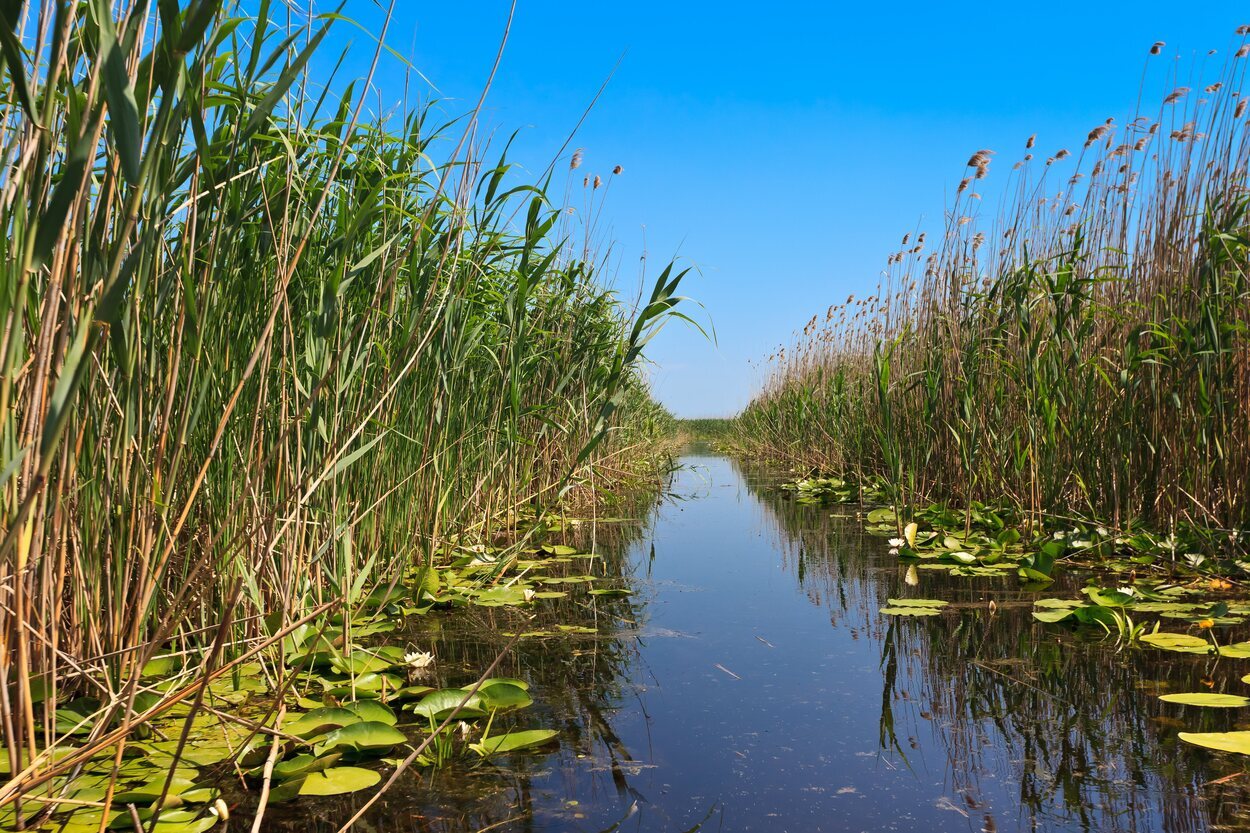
<point x="263" y="347"/>
<point x="1081" y="350"/>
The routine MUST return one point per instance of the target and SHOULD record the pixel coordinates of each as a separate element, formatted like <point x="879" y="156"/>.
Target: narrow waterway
<point x="751" y="684"/>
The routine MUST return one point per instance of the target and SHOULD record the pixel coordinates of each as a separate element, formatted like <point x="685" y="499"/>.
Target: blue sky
<point x="783" y="149"/>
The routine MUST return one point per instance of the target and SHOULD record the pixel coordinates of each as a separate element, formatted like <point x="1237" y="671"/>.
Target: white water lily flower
<point x="528" y="594"/>
<point x="418" y="659"/>
<point x="1128" y="591"/>
<point x="893" y="550"/>
<point x="897" y="542"/>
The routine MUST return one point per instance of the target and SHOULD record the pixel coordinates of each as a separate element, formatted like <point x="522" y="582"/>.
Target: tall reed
<point x="262" y="347"/>
<point x="1082" y="351"/>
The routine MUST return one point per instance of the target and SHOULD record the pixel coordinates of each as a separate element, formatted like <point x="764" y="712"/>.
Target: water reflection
<point x="751" y="684"/>
<point x="1037" y="727"/>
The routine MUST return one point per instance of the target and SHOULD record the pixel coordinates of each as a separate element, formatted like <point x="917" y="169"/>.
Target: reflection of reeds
<point x="1007" y="700"/>
<point x="1087" y="350"/>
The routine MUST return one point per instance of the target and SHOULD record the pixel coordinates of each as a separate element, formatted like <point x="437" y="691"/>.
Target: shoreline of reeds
<point x="1082" y="354"/>
<point x="264" y="351"/>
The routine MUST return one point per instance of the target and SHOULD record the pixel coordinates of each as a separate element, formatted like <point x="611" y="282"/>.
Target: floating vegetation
<point x="913" y="607"/>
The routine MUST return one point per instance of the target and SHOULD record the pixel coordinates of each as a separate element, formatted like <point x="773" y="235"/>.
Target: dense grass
<point x="1084" y="351"/>
<point x="263" y="347"/>
<point x="704" y="429"/>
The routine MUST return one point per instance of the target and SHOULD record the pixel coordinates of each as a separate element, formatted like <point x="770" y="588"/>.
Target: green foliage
<point x="1078" y="356"/>
<point x="264" y="352"/>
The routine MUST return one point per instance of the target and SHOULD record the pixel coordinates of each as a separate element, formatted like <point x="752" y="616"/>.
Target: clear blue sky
<point x="784" y="148"/>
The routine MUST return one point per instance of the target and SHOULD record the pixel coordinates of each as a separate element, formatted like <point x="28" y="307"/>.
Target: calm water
<point x="750" y="684"/>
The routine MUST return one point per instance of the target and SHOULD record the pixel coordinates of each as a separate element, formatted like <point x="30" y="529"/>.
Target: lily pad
<point x="505" y="696"/>
<point x="370" y="737"/>
<point x="302" y="765"/>
<point x="339" y="780"/>
<point x="440" y="703"/>
<point x="1181" y="642"/>
<point x="1236" y="742"/>
<point x="512" y="741"/>
<point x="320" y="720"/>
<point x="372" y="710"/>
<point x="1208" y="700"/>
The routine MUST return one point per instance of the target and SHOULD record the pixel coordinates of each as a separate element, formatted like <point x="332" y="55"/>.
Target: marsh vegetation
<point x="269" y="358"/>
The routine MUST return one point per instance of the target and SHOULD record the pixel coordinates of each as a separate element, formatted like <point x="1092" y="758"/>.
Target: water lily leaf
<point x="170" y="821"/>
<point x="1208" y="699"/>
<point x="367" y="683"/>
<point x="1236" y="742"/>
<point x="410" y="692"/>
<point x="1095" y="614"/>
<point x="1108" y="598"/>
<point x="361" y="662"/>
<point x="440" y="703"/>
<point x="558" y="549"/>
<point x="320" y="720"/>
<point x="490" y="681"/>
<point x="505" y="696"/>
<point x="910" y="611"/>
<point x="916" y="603"/>
<point x="1182" y="642"/>
<point x="302" y="765"/>
<point x="369" y="736"/>
<point x="962" y="557"/>
<point x="1052" y="615"/>
<point x="614" y="593"/>
<point x="372" y="710"/>
<point x="339" y="780"/>
<point x="512" y="741"/>
<point x="1237" y="650"/>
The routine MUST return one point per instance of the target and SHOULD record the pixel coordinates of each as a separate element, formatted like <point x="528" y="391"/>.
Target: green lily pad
<point x="505" y="696"/>
<point x="302" y="765"/>
<point x="361" y="662"/>
<point x="512" y="741"/>
<point x="1052" y="615"/>
<point x="909" y="611"/>
<point x="372" y="710"/>
<point x="320" y="720"/>
<point x="1181" y="642"/>
<point x="1237" y="650"/>
<point x="339" y="780"/>
<point x="1236" y="742"/>
<point x="369" y="737"/>
<point x="439" y="704"/>
<point x="1208" y="699"/>
<point x="614" y="593"/>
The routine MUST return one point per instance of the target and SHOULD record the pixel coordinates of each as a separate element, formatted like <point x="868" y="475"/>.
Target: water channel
<point x="751" y="684"/>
